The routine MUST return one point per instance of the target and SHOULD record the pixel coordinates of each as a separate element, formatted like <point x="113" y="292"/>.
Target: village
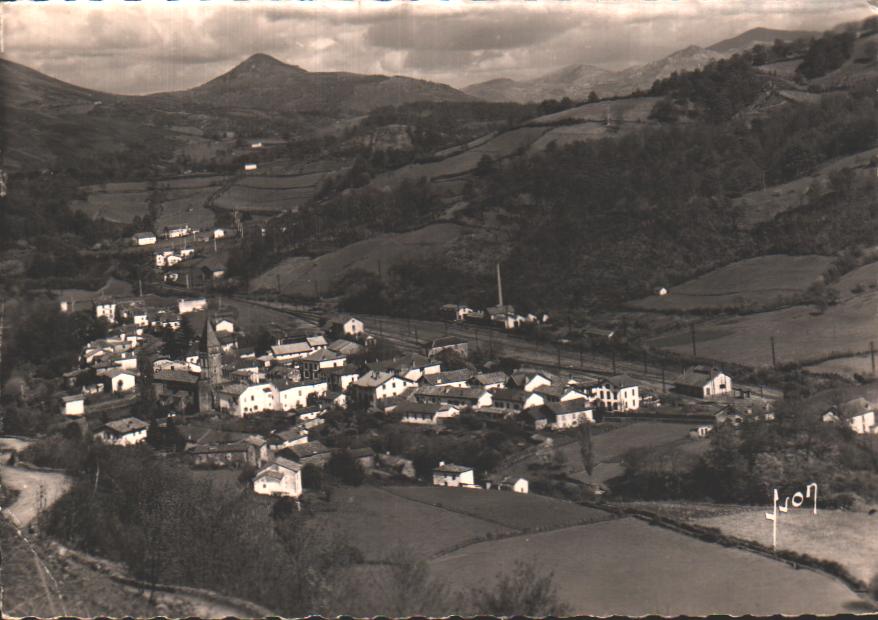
<point x="339" y="368"/>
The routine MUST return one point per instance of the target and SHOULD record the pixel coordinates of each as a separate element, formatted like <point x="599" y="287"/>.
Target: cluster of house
<point x="503" y="315"/>
<point x="180" y="231"/>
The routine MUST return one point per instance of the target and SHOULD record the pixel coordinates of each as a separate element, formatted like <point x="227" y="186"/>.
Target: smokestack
<point x="499" y="286"/>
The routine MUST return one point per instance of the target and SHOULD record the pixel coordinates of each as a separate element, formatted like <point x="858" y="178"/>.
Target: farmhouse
<point x="74" y="406"/>
<point x="124" y="432"/>
<point x="703" y="382"/>
<point x="341" y="326"/>
<point x="346" y="347"/>
<point x="177" y="231"/>
<point x="490" y="380"/>
<point x="240" y="399"/>
<point x="287" y="352"/>
<point x="223" y="454"/>
<point x="447" y="343"/>
<point x="512" y="400"/>
<point x="449" y="475"/>
<point x="459" y="397"/>
<point x="424" y="413"/>
<point x="282" y="478"/>
<point x="567" y="414"/>
<point x="857" y="413"/>
<point x="289" y="438"/>
<point x="455" y="312"/>
<point x="377" y="385"/>
<point x="559" y="393"/>
<point x="311" y="453"/>
<point x="143" y="238"/>
<point x="529" y="379"/>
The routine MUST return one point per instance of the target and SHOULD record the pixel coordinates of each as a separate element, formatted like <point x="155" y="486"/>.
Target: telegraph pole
<point x="664" y="389"/>
<point x="692" y="333"/>
<point x="645" y="362"/>
<point x="773" y="355"/>
<point x="613" y="353"/>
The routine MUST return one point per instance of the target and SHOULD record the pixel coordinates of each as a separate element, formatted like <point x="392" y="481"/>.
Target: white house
<point x="174" y="232"/>
<point x="124" y="432"/>
<point x="241" y="400"/>
<point x="282" y="478"/>
<point x="105" y="309"/>
<point x="74" y="406"/>
<point x="857" y="413"/>
<point x="411" y="367"/>
<point x="295" y="395"/>
<point x="618" y="393"/>
<point x="143" y="238"/>
<point x="423" y="413"/>
<point x="514" y="401"/>
<point x="121" y="379"/>
<point x="290" y="437"/>
<point x="531" y="380"/>
<point x="703" y="382"/>
<point x="250" y="167"/>
<point x="341" y="377"/>
<point x="567" y="414"/>
<point x="224" y="325"/>
<point x="490" y="380"/>
<point x="344" y="326"/>
<point x="185" y="306"/>
<point x="377" y="385"/>
<point x="450" y="378"/>
<point x="449" y="475"/>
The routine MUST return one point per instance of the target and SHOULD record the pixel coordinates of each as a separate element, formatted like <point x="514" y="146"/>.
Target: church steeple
<point x="210" y="354"/>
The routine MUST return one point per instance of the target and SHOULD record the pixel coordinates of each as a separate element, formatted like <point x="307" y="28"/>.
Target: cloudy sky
<point x="156" y="45"/>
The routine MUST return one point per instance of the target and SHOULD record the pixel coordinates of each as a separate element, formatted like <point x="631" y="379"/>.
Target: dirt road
<point x="36" y="490"/>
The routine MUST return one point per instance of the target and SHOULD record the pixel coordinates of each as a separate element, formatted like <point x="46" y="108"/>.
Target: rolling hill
<point x="264" y="83"/>
<point x="759" y="36"/>
<point x="577" y="81"/>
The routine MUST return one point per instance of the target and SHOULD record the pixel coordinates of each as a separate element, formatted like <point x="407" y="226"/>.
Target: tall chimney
<point x="499" y="286"/>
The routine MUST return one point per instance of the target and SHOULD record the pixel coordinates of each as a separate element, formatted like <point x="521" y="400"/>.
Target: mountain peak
<point x="263" y="62"/>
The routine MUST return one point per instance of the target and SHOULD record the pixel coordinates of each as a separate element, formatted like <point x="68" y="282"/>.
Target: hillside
<point x="264" y="83"/>
<point x="759" y="36"/>
<point x="577" y="81"/>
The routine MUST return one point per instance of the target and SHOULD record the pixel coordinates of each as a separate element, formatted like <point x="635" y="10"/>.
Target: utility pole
<point x="580" y="354"/>
<point x="872" y="353"/>
<point x="645" y="361"/>
<point x="558" y="350"/>
<point x="664" y="389"/>
<point x="140" y="286"/>
<point x="773" y="356"/>
<point x="613" y="355"/>
<point x="380" y="276"/>
<point x="277" y="280"/>
<point x="692" y="333"/>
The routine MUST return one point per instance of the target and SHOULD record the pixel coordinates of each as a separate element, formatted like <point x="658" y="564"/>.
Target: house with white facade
<point x="124" y="432"/>
<point x="377" y="385"/>
<point x="143" y="238"/>
<point x="73" y="405"/>
<point x="512" y="401"/>
<point x="280" y="478"/>
<point x="490" y="380"/>
<point x="295" y="395"/>
<point x="618" y="393"/>
<point x="568" y="414"/>
<point x="858" y="413"/>
<point x="344" y="325"/>
<point x="120" y="379"/>
<point x="450" y="475"/>
<point x="450" y="378"/>
<point x="341" y="377"/>
<point x="703" y="382"/>
<point x="424" y="413"/>
<point x="105" y="309"/>
<point x="241" y="400"/>
<point x="412" y="367"/>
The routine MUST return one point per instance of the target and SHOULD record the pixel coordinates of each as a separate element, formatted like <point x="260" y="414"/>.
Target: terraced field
<point x="755" y="281"/>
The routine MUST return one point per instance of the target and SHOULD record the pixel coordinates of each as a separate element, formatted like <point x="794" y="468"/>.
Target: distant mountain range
<point x="577" y="81"/>
<point x="264" y="83"/>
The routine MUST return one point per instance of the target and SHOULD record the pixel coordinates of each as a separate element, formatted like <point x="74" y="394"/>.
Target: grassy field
<point x="609" y="447"/>
<point x="849" y="538"/>
<point x="635" y="110"/>
<point x="762" y="280"/>
<point x="845" y="366"/>
<point x="249" y="198"/>
<point x="514" y="510"/>
<point x="801" y="333"/>
<point x="627" y="567"/>
<point x="251" y="317"/>
<point x="298" y="275"/>
<point x="378" y="522"/>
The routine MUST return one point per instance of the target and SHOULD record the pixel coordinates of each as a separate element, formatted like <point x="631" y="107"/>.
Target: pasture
<point x="250" y="198"/>
<point x="849" y="538"/>
<point x="513" y="510"/>
<point x="801" y="333"/>
<point x="303" y="276"/>
<point x="755" y="281"/>
<point x="633" y="110"/>
<point x="252" y="316"/>
<point x="627" y="567"/>
<point x="378" y="522"/>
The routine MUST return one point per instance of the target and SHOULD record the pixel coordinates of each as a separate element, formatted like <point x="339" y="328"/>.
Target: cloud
<point x="140" y="47"/>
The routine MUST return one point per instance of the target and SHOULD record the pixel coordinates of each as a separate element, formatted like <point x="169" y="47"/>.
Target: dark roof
<point x="126" y="425"/>
<point x="622" y="381"/>
<point x="312" y="448"/>
<point x="451" y="468"/>
<point x="509" y="394"/>
<point x="696" y="376"/>
<point x="450" y="376"/>
<point x="175" y="376"/>
<point x="446" y="341"/>
<point x="574" y="405"/>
